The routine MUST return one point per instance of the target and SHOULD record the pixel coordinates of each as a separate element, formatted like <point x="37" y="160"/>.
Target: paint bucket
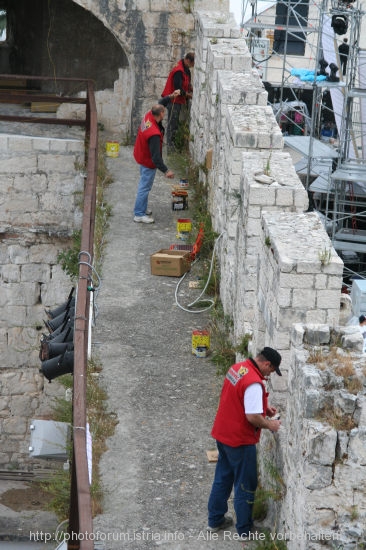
<point x="184" y="227"/>
<point x="184" y="224"/>
<point x="179" y="200"/>
<point x="200" y="339"/>
<point x="201" y="351"/>
<point x="112" y="149"/>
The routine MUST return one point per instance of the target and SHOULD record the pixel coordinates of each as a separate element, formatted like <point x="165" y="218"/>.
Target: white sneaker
<point x="226" y="522"/>
<point x="143" y="219"/>
<point x="148" y="212"/>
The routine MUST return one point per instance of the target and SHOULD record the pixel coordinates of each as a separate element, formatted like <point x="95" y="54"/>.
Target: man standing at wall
<point x="148" y="154"/>
<point x="179" y="79"/>
<point x="240" y="417"/>
<point x="343" y="50"/>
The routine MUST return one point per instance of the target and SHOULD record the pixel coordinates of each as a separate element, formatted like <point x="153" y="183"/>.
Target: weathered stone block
<point x="56" y="163"/>
<point x="14" y="425"/>
<point x="296" y="281"/>
<point x="19" y="143"/>
<point x="312" y="402"/>
<point x="261" y="195"/>
<point x="10" y="273"/>
<point x="284" y="197"/>
<point x="18" y="164"/>
<point x="297" y="334"/>
<point x="321" y="282"/>
<point x="317" y="476"/>
<point x="316" y="335"/>
<point x="311" y="377"/>
<point x="4" y="142"/>
<point x="317" y="316"/>
<point x="328" y="299"/>
<point x="321" y="443"/>
<point x="303" y="298"/>
<point x="35" y="272"/>
<point x="346" y="402"/>
<point x="41" y="144"/>
<point x="353" y="340"/>
<point x="357" y="446"/>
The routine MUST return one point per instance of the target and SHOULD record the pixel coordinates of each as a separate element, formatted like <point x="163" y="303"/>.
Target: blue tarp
<point x="306" y="75"/>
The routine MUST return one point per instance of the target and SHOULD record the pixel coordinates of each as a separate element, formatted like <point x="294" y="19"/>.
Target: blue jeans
<point x="236" y="467"/>
<point x="147" y="176"/>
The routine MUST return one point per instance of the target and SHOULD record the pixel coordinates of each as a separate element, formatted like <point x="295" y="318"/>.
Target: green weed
<point x="270" y="542"/>
<point x="223" y="353"/>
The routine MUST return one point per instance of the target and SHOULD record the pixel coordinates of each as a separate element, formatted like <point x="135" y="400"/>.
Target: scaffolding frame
<point x="342" y="179"/>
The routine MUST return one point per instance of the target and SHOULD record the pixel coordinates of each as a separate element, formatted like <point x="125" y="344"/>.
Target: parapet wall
<point x="41" y="190"/>
<point x="278" y="270"/>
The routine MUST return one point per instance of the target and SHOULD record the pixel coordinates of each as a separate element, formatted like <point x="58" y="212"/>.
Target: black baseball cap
<point x="274" y="357"/>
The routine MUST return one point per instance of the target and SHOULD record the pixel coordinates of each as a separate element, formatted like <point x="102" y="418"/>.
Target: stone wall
<point x="41" y="188"/>
<point x="280" y="277"/>
<point x="278" y="271"/>
<point x="154" y="35"/>
<point x="321" y="458"/>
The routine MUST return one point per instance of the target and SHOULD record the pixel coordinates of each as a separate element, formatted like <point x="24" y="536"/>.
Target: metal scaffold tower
<point x="313" y="66"/>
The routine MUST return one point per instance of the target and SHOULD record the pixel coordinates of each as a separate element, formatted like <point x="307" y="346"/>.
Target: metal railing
<point x="80" y="515"/>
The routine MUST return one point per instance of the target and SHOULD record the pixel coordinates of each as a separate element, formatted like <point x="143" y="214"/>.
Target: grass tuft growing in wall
<point x="223" y="353"/>
<point x="271" y="542"/>
<point x="336" y="418"/>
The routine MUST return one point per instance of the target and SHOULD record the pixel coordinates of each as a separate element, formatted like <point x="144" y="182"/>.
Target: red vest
<point x="231" y="426"/>
<point x="148" y="128"/>
<point x="169" y="86"/>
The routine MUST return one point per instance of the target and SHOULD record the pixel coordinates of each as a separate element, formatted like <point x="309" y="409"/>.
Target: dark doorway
<point x="59" y="38"/>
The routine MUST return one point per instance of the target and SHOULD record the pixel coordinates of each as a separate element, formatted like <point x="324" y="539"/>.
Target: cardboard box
<point x="171" y="263"/>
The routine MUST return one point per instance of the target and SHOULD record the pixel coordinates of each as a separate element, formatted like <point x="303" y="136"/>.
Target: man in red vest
<point x="148" y="154"/>
<point x="241" y="415"/>
<point x="179" y="78"/>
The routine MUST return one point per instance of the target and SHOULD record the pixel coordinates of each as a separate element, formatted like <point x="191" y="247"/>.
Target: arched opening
<point x="59" y="38"/>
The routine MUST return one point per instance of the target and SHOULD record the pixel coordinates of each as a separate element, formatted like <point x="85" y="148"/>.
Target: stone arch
<point x="64" y="39"/>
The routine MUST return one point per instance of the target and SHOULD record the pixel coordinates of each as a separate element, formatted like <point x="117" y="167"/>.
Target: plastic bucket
<point x="112" y="149"/>
<point x="184" y="224"/>
<point x="200" y="339"/>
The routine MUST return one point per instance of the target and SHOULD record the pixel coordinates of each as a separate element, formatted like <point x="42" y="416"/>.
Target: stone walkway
<point x="156" y="474"/>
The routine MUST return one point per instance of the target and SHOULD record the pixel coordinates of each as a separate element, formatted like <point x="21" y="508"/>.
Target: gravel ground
<point x="156" y="473"/>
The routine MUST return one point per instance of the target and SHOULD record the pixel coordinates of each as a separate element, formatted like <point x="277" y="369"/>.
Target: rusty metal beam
<point x="44" y="120"/>
<point x="33" y="78"/>
<point x="29" y="96"/>
<point x="81" y="329"/>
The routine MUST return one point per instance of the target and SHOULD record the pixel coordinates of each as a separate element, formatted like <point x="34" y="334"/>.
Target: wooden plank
<point x="13" y="83"/>
<point x="212" y="455"/>
<point x="44" y="107"/>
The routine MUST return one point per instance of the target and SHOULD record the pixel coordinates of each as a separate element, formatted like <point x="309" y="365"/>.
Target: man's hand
<point x="271" y="411"/>
<point x="258" y="421"/>
<point x="169" y="174"/>
<point x="274" y="425"/>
